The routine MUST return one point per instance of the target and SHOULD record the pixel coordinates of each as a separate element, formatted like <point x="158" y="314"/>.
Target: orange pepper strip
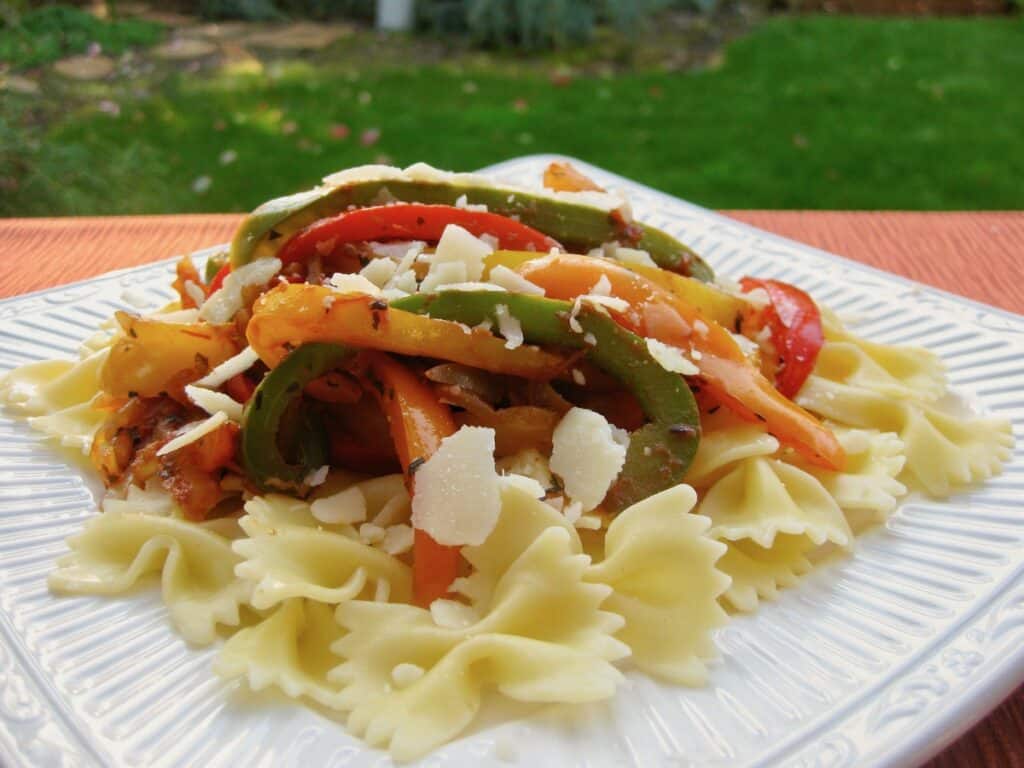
<point x="418" y="422"/>
<point x="291" y="315"/>
<point x="657" y="313"/>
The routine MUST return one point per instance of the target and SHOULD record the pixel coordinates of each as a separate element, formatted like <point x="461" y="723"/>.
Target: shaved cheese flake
<point x="462" y="202"/>
<point x="199" y="431"/>
<point x="578" y="377"/>
<point x="457" y="499"/>
<point x="601" y="303"/>
<point x="347" y="506"/>
<point x="602" y="287"/>
<point x="397" y="539"/>
<point x="446" y="273"/>
<point x="348" y="284"/>
<point x="529" y="463"/>
<point x="371" y="534"/>
<point x="588" y="522"/>
<point x="379" y="271"/>
<point x="230" y="368"/>
<point x="398" y="252"/>
<point x="197" y="294"/>
<point x="405" y="282"/>
<point x="634" y="256"/>
<point x="509" y="327"/>
<point x="671" y="358"/>
<point x="512" y="281"/>
<point x="382" y="591"/>
<point x="317" y="476"/>
<point x="214" y="402"/>
<point x="586" y="456"/>
<point x="227" y="301"/>
<point x="459" y="245"/>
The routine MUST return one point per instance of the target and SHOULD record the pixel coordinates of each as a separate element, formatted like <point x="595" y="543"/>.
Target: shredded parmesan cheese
<point x="514" y="282"/>
<point x="445" y="273"/>
<point x="227" y="301"/>
<point x="379" y="271"/>
<point x="317" y="476"/>
<point x="199" y="431"/>
<point x="197" y="294"/>
<point x="671" y="358"/>
<point x="586" y="456"/>
<point x="459" y="245"/>
<point x="214" y="402"/>
<point x="509" y="327"/>
<point x="346" y="284"/>
<point x="230" y="368"/>
<point x="371" y="534"/>
<point x="397" y="539"/>
<point x="457" y="499"/>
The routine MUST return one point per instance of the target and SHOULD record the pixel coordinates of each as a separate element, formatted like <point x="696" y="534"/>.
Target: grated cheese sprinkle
<point x="230" y="368"/>
<point x="199" y="431"/>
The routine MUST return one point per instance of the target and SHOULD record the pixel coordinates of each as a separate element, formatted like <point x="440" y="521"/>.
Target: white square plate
<point x="880" y="658"/>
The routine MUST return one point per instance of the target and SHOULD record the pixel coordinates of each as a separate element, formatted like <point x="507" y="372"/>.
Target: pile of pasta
<point x="551" y="613"/>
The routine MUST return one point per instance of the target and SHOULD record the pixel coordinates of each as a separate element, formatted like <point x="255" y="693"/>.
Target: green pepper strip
<point x="660" y="452"/>
<point x="261" y="423"/>
<point x="578" y="227"/>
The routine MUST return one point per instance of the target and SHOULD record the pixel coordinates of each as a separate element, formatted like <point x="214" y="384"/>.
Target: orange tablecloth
<point x="978" y="255"/>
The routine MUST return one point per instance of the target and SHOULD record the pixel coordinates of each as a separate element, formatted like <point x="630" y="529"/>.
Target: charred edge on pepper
<point x="415" y="464"/>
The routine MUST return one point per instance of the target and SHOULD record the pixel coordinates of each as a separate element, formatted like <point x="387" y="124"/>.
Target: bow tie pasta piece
<point x="57" y="396"/>
<point x="283" y="557"/>
<point x="757" y="572"/>
<point x="196" y="568"/>
<point x="412" y="684"/>
<point x="943" y="450"/>
<point x="290" y="649"/>
<point x="662" y="567"/>
<point x="868" y="482"/>
<point x="896" y="371"/>
<point x="720" y="449"/>
<point x="760" y="498"/>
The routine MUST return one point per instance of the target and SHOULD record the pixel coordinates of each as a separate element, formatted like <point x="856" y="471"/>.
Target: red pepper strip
<point x="409" y="221"/>
<point x="796" y="331"/>
<point x="657" y="313"/>
<point x="218" y="279"/>
<point x="418" y="422"/>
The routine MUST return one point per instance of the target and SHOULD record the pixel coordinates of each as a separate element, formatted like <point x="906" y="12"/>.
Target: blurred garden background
<point x="216" y="105"/>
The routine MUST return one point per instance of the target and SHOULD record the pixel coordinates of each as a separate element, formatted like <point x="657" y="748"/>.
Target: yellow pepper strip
<point x="292" y="315"/>
<point x="657" y="313"/>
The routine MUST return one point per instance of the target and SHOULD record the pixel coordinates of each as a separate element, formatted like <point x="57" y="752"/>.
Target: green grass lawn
<point x="812" y="112"/>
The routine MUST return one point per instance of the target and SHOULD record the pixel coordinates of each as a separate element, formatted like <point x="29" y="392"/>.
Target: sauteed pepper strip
<point x="797" y="334"/>
<point x="418" y="421"/>
<point x="410" y="221"/>
<point x="262" y="455"/>
<point x="294" y="314"/>
<point x="576" y="225"/>
<point x="660" y="452"/>
<point x="656" y="313"/>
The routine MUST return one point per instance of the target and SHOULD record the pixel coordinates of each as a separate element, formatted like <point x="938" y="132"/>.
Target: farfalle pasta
<point x="415" y="439"/>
